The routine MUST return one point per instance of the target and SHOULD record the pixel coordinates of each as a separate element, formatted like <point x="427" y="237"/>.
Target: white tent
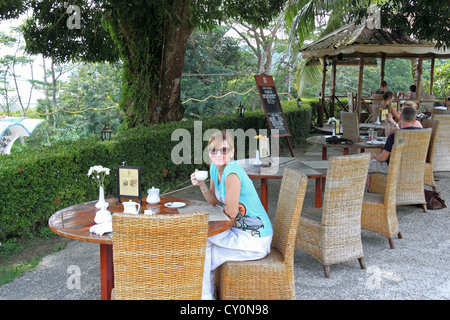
<point x="12" y="128"/>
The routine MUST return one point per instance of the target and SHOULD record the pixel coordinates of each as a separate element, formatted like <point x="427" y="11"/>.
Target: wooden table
<point x="312" y="169"/>
<point x="380" y="126"/>
<point x="320" y="140"/>
<point x="74" y="222"/>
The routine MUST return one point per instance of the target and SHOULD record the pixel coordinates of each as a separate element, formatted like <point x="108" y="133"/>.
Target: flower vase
<point x="257" y="162"/>
<point x="101" y="198"/>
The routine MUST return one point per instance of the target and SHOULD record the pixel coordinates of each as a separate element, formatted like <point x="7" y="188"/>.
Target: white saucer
<point x="175" y="204"/>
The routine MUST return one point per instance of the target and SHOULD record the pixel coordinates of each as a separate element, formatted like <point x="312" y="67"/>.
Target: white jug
<point x="153" y="196"/>
<point x="131" y="207"/>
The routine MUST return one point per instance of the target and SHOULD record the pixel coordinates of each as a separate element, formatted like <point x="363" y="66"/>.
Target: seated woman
<point x="251" y="235"/>
<point x="392" y="125"/>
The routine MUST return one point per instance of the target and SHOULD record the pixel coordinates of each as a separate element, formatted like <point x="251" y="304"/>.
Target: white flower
<point x="100" y="173"/>
<point x="333" y="119"/>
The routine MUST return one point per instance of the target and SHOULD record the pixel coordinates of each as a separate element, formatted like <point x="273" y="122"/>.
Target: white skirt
<point x="231" y="245"/>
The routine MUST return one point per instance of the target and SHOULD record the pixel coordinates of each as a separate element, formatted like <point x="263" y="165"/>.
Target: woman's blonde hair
<point x="219" y="136"/>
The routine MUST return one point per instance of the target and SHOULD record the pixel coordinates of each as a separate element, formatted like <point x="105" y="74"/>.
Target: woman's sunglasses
<point x="215" y="151"/>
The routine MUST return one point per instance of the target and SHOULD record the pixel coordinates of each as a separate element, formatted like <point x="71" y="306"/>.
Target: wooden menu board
<point x="271" y="104"/>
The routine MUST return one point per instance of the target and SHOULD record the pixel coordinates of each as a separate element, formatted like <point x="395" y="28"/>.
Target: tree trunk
<point x="153" y="53"/>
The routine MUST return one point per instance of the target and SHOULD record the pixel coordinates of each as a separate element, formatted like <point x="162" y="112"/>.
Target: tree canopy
<point x="150" y="37"/>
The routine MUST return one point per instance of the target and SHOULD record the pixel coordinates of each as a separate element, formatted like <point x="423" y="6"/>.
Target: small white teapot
<point x="153" y="196"/>
<point x="131" y="207"/>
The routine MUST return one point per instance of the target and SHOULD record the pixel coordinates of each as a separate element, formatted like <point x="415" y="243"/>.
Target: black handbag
<point x="434" y="200"/>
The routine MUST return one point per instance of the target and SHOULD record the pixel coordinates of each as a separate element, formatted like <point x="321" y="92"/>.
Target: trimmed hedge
<point x="36" y="183"/>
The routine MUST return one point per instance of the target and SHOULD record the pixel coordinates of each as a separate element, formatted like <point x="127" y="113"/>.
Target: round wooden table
<point x="74" y="222"/>
<point x="321" y="140"/>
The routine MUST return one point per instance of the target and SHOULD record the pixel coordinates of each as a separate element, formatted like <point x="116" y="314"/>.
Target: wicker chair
<point x="159" y="256"/>
<point x="441" y="160"/>
<point x="350" y="125"/>
<point x="332" y="234"/>
<point x="412" y="168"/>
<point x="440" y="111"/>
<point x="429" y="176"/>
<point x="379" y="211"/>
<point x="273" y="276"/>
<point x="428" y="101"/>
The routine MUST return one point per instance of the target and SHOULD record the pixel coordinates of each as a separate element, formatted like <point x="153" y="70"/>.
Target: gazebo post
<point x="432" y="75"/>
<point x="322" y="93"/>
<point x="333" y="85"/>
<point x="419" y="78"/>
<point x="383" y="63"/>
<point x="360" y="84"/>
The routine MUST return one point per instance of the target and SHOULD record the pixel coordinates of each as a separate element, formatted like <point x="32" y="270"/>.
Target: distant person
<point x="392" y="125"/>
<point x="439" y="105"/>
<point x="387" y="99"/>
<point x="380" y="162"/>
<point x="383" y="87"/>
<point x="412" y="92"/>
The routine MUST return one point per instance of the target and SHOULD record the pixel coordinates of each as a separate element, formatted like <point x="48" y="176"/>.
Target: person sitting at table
<point x="380" y="162"/>
<point x="383" y="87"/>
<point x="412" y="92"/>
<point x="250" y="237"/>
<point x="439" y="105"/>
<point x="387" y="99"/>
<point x="391" y="125"/>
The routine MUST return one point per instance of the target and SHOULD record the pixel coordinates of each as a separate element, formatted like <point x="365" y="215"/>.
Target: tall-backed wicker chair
<point x="428" y="101"/>
<point x="379" y="211"/>
<point x="159" y="256"/>
<point x="273" y="276"/>
<point x="350" y="125"/>
<point x="441" y="158"/>
<point x="410" y="187"/>
<point x="439" y="111"/>
<point x="429" y="176"/>
<point x="332" y="234"/>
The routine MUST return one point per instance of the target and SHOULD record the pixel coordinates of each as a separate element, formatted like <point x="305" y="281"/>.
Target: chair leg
<point x="399" y="235"/>
<point x="361" y="263"/>
<point x="326" y="269"/>
<point x="391" y="243"/>
<point x="424" y="206"/>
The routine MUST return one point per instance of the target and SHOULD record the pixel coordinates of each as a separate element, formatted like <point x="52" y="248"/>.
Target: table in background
<point x="312" y="169"/>
<point x="74" y="222"/>
<point x="321" y="140"/>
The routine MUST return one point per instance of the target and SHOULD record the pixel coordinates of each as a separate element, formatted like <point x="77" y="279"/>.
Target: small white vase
<point x="101" y="199"/>
<point x="257" y="162"/>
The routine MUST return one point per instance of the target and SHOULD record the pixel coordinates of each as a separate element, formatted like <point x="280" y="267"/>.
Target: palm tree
<point x="308" y="20"/>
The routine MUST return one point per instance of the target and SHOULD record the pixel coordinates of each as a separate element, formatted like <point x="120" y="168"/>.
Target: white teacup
<point x="201" y="175"/>
<point x="148" y="211"/>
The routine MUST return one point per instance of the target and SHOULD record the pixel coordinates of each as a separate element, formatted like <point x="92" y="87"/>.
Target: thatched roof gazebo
<point x="361" y="45"/>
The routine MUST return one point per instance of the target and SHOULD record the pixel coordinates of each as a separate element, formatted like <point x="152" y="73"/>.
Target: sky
<point x="23" y="71"/>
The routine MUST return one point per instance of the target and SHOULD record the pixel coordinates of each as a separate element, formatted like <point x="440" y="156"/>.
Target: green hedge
<point x="37" y="182"/>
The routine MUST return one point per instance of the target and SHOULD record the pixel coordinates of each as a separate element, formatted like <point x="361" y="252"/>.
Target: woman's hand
<point x="194" y="180"/>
